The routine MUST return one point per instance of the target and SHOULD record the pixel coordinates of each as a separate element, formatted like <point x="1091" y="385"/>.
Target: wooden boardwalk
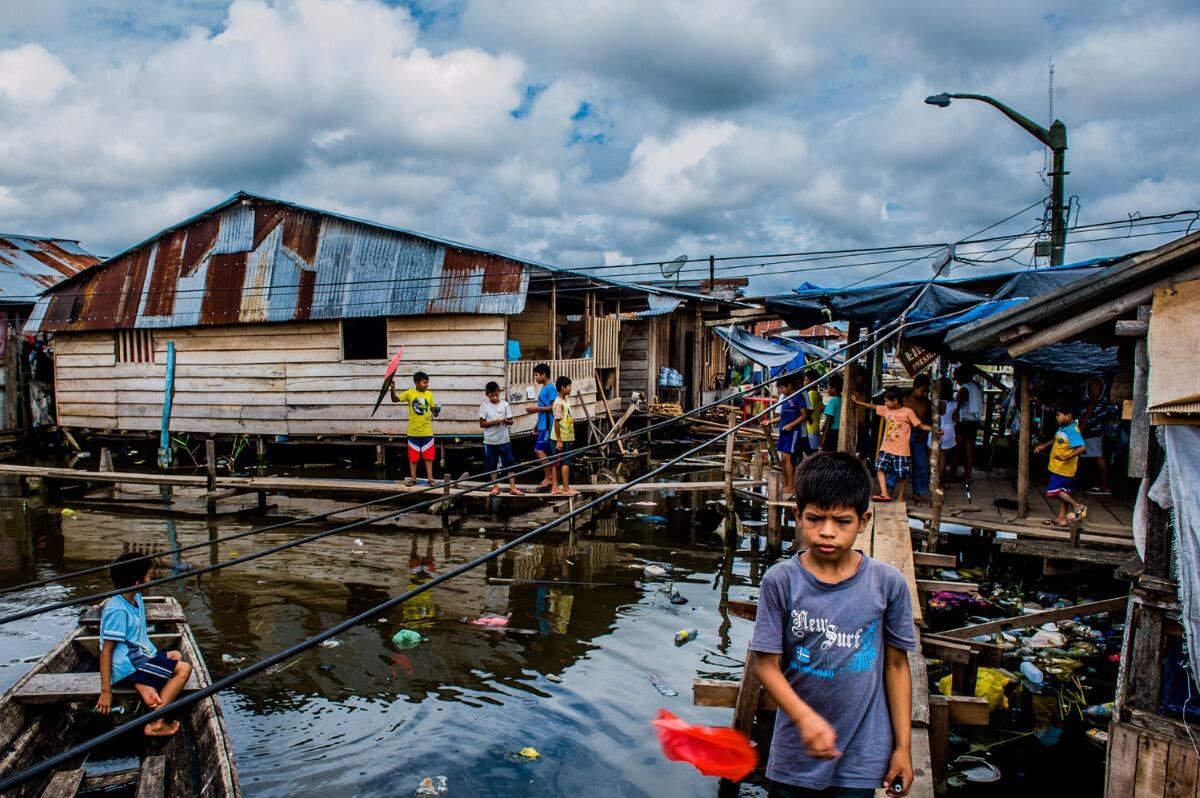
<point x="1109" y="520"/>
<point x="320" y="485"/>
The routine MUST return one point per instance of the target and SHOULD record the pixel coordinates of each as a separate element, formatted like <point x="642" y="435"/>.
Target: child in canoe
<point x="127" y="657"/>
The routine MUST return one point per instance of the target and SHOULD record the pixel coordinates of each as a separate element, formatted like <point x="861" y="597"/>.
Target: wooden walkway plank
<point x="63" y="784"/>
<point x="273" y="484"/>
<point x="891" y="542"/>
<point x="152" y="781"/>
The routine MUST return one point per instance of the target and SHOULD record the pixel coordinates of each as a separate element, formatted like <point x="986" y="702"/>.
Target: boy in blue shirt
<point x="127" y="657"/>
<point x="832" y="634"/>
<point x="544" y="447"/>
<point x="793" y="427"/>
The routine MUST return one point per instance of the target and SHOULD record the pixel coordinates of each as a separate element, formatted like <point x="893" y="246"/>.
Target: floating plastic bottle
<point x="406" y="638"/>
<point x="684" y="635"/>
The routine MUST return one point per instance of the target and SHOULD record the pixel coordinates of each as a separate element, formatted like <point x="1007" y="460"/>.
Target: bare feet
<point x="495" y="491"/>
<point x="541" y="487"/>
<point x="150" y="696"/>
<point x="160" y="728"/>
<point x="515" y="491"/>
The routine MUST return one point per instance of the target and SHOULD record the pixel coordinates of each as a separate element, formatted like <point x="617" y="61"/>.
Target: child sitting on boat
<point x="127" y="657"/>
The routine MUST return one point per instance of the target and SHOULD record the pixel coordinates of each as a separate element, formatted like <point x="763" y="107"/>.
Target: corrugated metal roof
<point x="660" y="306"/>
<point x="255" y="259"/>
<point x="30" y="265"/>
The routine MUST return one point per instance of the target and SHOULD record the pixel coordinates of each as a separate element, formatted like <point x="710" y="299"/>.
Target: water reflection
<point x="566" y="676"/>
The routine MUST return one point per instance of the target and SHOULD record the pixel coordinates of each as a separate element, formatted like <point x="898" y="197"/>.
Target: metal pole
<point x="712" y="273"/>
<point x="164" y="439"/>
<point x="1058" y="221"/>
<point x="1023" y="446"/>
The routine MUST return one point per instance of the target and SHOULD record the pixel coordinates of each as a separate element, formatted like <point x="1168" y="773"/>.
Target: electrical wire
<point x="536" y="466"/>
<point x="315" y="640"/>
<point x="585" y="273"/>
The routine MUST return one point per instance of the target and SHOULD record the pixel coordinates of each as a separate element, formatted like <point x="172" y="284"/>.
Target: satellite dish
<point x="673" y="268"/>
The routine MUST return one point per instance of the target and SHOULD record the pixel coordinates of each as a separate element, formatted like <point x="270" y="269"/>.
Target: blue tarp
<point x="761" y="351"/>
<point x="872" y="305"/>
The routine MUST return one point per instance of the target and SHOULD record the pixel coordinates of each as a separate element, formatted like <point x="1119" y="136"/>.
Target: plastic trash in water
<point x="359" y="542"/>
<point x="677" y="599"/>
<point x="529" y="753"/>
<point x="229" y="659"/>
<point x="977" y="770"/>
<point x="1031" y="672"/>
<point x="1097" y="736"/>
<point x="490" y="620"/>
<point x="407" y="638"/>
<point x="1100" y="713"/>
<point x="67" y="511"/>
<point x="435" y="785"/>
<point x="651" y="519"/>
<point x="653" y="570"/>
<point x="330" y="643"/>
<point x="661" y="686"/>
<point x="684" y="635"/>
<point x="714" y="751"/>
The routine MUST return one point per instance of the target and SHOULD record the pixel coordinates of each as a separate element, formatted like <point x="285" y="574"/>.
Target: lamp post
<point x="1056" y="139"/>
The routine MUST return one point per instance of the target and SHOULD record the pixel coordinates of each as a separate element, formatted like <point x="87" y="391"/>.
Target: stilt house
<point x="283" y="319"/>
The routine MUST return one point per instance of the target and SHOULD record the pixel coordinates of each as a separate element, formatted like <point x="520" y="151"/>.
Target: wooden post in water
<point x="380" y="456"/>
<point x="106" y="464"/>
<point x="937" y="494"/>
<point x="1139" y="425"/>
<point x="210" y="462"/>
<point x="774" y="533"/>
<point x="12" y="380"/>
<point x="260" y="451"/>
<point x="848" y="423"/>
<point x="1023" y="448"/>
<point x="729" y="447"/>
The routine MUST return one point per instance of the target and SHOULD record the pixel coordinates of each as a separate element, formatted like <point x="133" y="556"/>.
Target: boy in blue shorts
<point x="422" y="409"/>
<point x="495" y="417"/>
<point x="831" y="638"/>
<point x="793" y="427"/>
<point x="1067" y="445"/>
<point x="127" y="657"/>
<point x="544" y="447"/>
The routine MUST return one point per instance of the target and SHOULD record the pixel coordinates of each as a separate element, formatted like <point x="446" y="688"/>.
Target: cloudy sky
<point x="597" y="131"/>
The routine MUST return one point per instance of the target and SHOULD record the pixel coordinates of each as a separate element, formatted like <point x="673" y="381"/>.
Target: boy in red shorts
<point x="422" y="409"/>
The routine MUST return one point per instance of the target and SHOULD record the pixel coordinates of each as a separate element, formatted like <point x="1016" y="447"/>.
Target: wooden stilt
<point x="730" y="440"/>
<point x="937" y="493"/>
<point x="848" y="423"/>
<point x="380" y="455"/>
<point x="939" y="741"/>
<point x="1023" y="449"/>
<point x="260" y="451"/>
<point x="106" y="465"/>
<point x="210" y="462"/>
<point x="774" y="530"/>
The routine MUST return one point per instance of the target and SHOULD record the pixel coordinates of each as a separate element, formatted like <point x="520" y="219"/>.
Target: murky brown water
<point x="568" y="677"/>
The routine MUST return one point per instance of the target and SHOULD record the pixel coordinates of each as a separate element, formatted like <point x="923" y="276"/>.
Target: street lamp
<point x="1056" y="139"/>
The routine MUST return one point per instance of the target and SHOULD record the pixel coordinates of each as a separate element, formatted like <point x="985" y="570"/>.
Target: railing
<point x="606" y="342"/>
<point x="581" y="371"/>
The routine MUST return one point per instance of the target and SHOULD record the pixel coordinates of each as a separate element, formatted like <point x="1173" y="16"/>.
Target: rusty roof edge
<point x="244" y="195"/>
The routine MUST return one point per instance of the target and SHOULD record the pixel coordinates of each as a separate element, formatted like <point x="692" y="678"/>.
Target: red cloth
<point x="713" y="750"/>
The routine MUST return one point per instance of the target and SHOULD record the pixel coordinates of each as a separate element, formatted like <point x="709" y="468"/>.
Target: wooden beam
<point x="930" y="560"/>
<point x="937" y="492"/>
<point x="724" y="693"/>
<point x="848" y="424"/>
<point x="1133" y="328"/>
<point x="1024" y="452"/>
<point x="64" y="784"/>
<point x="1038" y="618"/>
<point x="1139" y="425"/>
<point x="963" y="710"/>
<point x="1019" y="331"/>
<point x="931" y="585"/>
<point x="152" y="779"/>
<point x="1096" y="316"/>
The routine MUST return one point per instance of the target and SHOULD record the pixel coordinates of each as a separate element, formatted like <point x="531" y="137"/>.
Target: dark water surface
<point x="568" y="677"/>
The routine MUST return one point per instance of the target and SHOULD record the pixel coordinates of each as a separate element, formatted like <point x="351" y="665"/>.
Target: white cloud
<point x="592" y="132"/>
<point x="30" y="75"/>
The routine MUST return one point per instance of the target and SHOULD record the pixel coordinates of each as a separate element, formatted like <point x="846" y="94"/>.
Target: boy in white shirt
<point x="495" y="417"/>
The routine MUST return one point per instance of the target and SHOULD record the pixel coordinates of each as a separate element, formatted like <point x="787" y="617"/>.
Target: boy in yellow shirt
<point x="1067" y="445"/>
<point x="422" y="409"/>
<point x="562" y="433"/>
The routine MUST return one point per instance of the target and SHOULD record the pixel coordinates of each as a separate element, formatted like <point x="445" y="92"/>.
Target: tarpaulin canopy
<point x="761" y="351"/>
<point x="810" y="305"/>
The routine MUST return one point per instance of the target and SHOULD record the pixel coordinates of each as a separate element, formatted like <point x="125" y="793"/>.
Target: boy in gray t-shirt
<point x="832" y="632"/>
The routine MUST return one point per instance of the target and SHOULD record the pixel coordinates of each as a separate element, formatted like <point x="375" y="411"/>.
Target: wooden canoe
<point x="50" y="710"/>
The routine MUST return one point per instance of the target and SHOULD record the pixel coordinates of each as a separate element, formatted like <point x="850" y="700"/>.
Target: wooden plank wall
<point x="276" y="379"/>
<point x="532" y="328"/>
<point x="635" y="344"/>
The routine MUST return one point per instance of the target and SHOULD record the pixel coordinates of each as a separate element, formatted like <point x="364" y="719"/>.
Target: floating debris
<point x="684" y="635"/>
<point x="432" y="786"/>
<point x="490" y="620"/>
<point x="407" y="638"/>
<point x="661" y="686"/>
<point x="330" y="643"/>
<point x="229" y="659"/>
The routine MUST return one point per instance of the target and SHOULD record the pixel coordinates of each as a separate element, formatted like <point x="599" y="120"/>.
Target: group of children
<point x="555" y="431"/>
<point x="807" y="423"/>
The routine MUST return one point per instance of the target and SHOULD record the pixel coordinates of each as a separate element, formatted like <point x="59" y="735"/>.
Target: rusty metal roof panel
<point x="256" y="259"/>
<point x="29" y="265"/>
